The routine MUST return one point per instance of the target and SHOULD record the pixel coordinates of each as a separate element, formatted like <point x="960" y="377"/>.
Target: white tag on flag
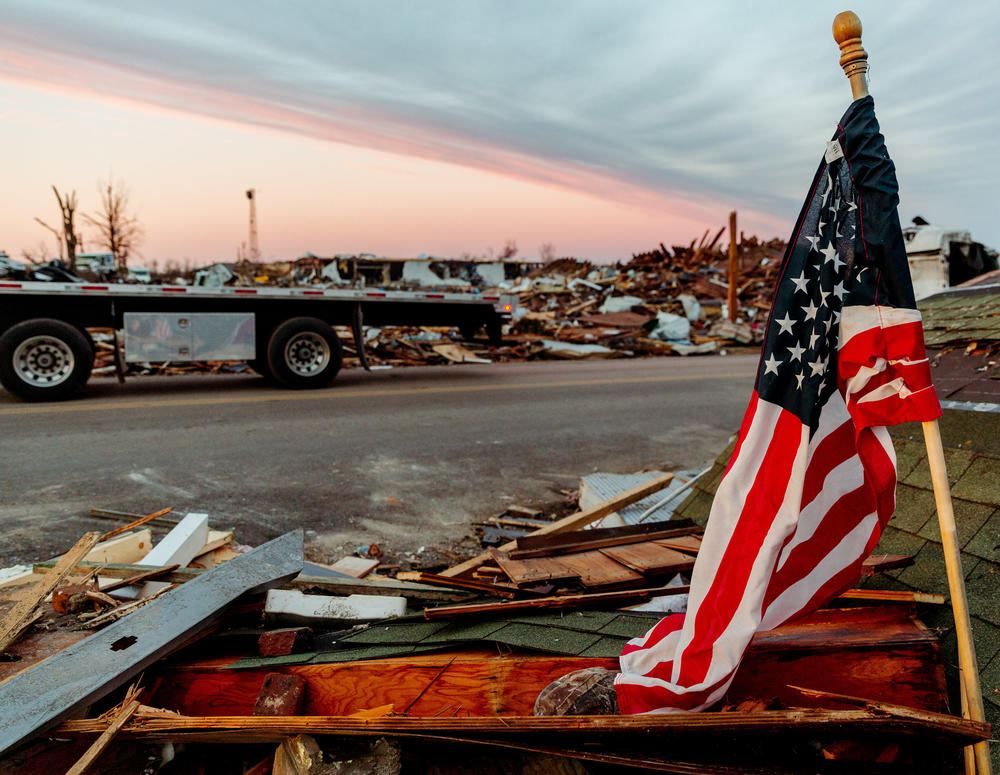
<point x="834" y="151"/>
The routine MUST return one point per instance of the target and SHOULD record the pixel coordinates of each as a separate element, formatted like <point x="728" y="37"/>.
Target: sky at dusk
<point x="447" y="127"/>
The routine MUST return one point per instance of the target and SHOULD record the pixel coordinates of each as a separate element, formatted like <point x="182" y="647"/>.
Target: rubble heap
<point x="254" y="660"/>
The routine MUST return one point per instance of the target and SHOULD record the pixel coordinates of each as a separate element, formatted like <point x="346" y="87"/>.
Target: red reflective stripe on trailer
<point x="10" y="285"/>
<point x="491" y="298"/>
<point x="434" y="295"/>
<point x="245" y="290"/>
<point x="375" y="294"/>
<point x="175" y="290"/>
<point x="93" y="287"/>
<point x="312" y="293"/>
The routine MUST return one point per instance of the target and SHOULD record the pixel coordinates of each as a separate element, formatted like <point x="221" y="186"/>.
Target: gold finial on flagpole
<point x="853" y="57"/>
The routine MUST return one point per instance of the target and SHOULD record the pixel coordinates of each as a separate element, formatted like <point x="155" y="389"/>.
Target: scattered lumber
<point x="577" y="520"/>
<point x="130" y="547"/>
<point x="26" y="611"/>
<point x="554" y="603"/>
<point x="341" y="586"/>
<point x="42" y="695"/>
<point x="498" y="590"/>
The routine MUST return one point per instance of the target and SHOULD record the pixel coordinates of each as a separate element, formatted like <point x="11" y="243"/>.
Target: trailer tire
<point x="45" y="359"/>
<point x="304" y="353"/>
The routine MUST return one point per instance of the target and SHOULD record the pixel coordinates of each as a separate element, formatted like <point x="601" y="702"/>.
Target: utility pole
<point x="734" y="268"/>
<point x="254" y="253"/>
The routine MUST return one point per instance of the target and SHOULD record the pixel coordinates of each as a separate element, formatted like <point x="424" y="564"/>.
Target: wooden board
<point x="338" y="585"/>
<point x="883" y="719"/>
<point x="536" y="571"/>
<point x="484" y="587"/>
<point x="603" y="600"/>
<point x="26" y="610"/>
<point x="591" y="569"/>
<point x="581" y="540"/>
<point x="598" y="571"/>
<point x="355" y="566"/>
<point x="130" y="547"/>
<point x="688" y="544"/>
<point x="650" y="559"/>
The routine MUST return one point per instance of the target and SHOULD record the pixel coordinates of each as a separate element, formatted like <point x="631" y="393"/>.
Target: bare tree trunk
<point x="67" y="206"/>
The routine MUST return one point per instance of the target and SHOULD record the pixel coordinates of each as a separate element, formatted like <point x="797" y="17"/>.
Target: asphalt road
<point x="406" y="458"/>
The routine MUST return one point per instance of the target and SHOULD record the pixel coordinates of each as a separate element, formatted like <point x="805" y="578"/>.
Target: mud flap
<point x="359" y="338"/>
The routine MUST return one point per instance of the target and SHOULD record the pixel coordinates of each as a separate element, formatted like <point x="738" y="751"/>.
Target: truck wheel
<point x="45" y="360"/>
<point x="304" y="353"/>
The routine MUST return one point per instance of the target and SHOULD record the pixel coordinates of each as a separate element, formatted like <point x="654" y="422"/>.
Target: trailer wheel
<point x="45" y="359"/>
<point x="304" y="353"/>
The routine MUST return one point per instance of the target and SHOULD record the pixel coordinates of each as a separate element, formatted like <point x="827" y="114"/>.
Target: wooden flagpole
<point x="854" y="60"/>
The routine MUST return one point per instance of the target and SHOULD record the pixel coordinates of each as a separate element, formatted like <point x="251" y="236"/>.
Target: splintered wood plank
<point x="25" y="611"/>
<point x="952" y="729"/>
<point x="532" y="571"/>
<point x="574" y="521"/>
<point x="136" y="523"/>
<point x="104" y="739"/>
<point x="591" y="569"/>
<point x="688" y="544"/>
<point x="582" y="540"/>
<point x="650" y="558"/>
<point x="598" y="571"/>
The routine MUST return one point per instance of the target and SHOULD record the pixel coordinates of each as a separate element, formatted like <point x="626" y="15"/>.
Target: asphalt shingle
<point x="986" y="543"/>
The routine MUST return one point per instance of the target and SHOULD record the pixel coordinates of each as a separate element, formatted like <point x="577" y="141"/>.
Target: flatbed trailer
<point x="285" y="334"/>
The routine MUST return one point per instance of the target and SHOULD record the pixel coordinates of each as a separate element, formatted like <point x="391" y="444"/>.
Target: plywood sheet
<point x="650" y="558"/>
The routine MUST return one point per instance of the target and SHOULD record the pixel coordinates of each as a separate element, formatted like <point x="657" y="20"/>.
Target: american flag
<point x="812" y="479"/>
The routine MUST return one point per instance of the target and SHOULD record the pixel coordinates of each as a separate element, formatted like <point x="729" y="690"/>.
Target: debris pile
<point x="195" y="653"/>
<point x="660" y="302"/>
